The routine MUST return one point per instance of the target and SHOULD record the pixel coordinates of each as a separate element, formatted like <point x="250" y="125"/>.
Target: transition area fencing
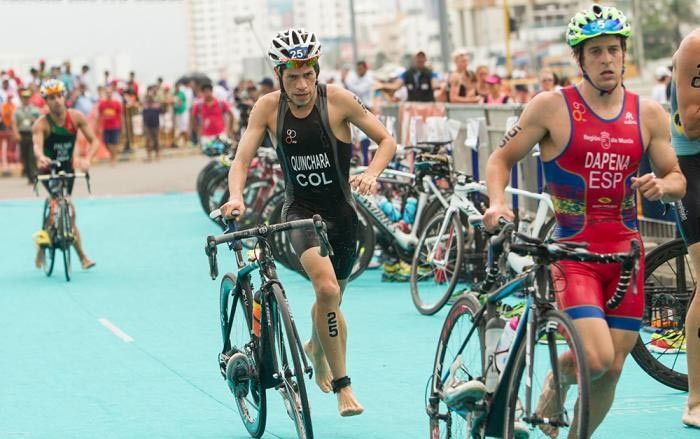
<point x="476" y="130"/>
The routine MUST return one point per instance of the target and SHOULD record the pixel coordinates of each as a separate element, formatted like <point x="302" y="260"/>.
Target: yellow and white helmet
<point x="51" y="86"/>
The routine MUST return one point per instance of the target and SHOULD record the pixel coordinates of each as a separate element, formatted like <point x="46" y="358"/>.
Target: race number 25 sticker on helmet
<point x="296" y="46"/>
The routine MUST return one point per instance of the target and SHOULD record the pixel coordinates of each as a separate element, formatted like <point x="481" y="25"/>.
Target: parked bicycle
<point x="261" y="346"/>
<point x="449" y="253"/>
<point x="482" y="384"/>
<point x="669" y="287"/>
<point x="57" y="218"/>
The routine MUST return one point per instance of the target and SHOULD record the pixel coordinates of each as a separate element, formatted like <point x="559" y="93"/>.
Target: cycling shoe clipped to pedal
<point x="238" y="373"/>
<point x="456" y="392"/>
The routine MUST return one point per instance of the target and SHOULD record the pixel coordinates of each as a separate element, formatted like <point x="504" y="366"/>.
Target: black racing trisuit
<point x="316" y="167"/>
<point x="60" y="144"/>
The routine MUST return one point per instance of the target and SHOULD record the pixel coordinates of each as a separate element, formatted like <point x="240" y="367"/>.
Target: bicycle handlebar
<point x="576" y="251"/>
<point x="552" y="251"/>
<point x="263" y="231"/>
<point x="55" y="164"/>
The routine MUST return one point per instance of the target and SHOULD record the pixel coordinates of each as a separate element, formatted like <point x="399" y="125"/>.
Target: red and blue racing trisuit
<point x="590" y="183"/>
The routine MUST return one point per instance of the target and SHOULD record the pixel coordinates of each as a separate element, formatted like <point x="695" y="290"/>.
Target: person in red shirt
<point x="109" y="111"/>
<point x="211" y="117"/>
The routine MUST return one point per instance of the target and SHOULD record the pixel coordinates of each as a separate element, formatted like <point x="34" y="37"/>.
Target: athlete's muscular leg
<point x="314" y="349"/>
<point x="692" y="333"/>
<point x="77" y="243"/>
<point x="599" y="348"/>
<point x="330" y="326"/>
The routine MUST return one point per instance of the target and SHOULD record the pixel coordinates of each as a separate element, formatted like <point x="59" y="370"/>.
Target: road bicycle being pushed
<point x="489" y="373"/>
<point x="261" y="346"/>
<point x="58" y="218"/>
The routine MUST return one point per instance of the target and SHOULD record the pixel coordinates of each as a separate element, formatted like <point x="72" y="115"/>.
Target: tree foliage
<point x="661" y="25"/>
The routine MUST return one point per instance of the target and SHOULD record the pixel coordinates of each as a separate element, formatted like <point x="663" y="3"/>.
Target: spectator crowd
<point x="127" y="115"/>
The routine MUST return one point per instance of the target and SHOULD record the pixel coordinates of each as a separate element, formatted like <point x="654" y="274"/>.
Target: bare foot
<point x="321" y="369"/>
<point x="691" y="418"/>
<point x="39" y="261"/>
<point x="87" y="264"/>
<point x="347" y="404"/>
<point x="547" y="405"/>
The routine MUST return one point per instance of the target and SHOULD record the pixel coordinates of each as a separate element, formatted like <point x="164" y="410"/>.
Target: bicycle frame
<point x="262" y="344"/>
<point x="460" y="202"/>
<point x="494" y="407"/>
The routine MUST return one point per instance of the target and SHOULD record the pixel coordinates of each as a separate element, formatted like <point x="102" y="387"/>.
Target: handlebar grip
<point x="325" y="247"/>
<point x="476" y="221"/>
<point x="628" y="273"/>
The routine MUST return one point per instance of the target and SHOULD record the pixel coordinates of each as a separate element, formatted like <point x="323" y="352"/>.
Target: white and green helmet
<point x="596" y="21"/>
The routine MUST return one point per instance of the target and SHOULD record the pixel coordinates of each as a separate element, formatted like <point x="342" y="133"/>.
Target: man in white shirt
<point x="360" y="82"/>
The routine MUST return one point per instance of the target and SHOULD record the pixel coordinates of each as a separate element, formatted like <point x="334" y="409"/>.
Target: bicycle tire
<point x="49" y="251"/>
<point x="551" y="319"/>
<point x="365" y="245"/>
<point x="213" y="169"/>
<point x="432" y="208"/>
<point x="432" y="228"/>
<point x="65" y="236"/>
<point x="217" y="190"/>
<point x="242" y="301"/>
<point x="466" y="306"/>
<point x="201" y="177"/>
<point x="286" y="351"/>
<point x="651" y="363"/>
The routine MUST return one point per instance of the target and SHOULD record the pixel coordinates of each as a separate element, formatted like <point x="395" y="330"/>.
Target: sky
<point x="148" y="36"/>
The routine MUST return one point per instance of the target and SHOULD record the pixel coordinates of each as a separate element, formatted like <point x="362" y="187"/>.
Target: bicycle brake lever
<point x="210" y="250"/>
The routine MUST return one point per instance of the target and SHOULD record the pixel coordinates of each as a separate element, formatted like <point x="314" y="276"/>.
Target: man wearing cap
<point x="496" y="95"/>
<point x="25" y="116"/>
<point x="663" y="78"/>
<point x="420" y="81"/>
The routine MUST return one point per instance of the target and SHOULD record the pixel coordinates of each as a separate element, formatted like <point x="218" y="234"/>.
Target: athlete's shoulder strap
<point x="330" y="139"/>
<point x="281" y="112"/>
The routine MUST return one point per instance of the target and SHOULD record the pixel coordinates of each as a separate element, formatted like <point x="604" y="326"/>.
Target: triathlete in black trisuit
<point x="310" y="125"/>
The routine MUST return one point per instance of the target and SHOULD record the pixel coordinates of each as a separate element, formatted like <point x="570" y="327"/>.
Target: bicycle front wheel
<point x="287" y="347"/>
<point x="49" y="251"/>
<point x="669" y="286"/>
<point x="436" y="263"/>
<point x="446" y="422"/>
<point x="548" y="403"/>
<point x="65" y="236"/>
<point x="238" y="362"/>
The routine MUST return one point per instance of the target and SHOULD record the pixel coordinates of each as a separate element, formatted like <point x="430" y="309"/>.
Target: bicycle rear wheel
<point x="65" y="236"/>
<point x="445" y="422"/>
<point x="556" y="337"/>
<point x="436" y="264"/>
<point x="238" y="361"/>
<point x="669" y="287"/>
<point x="287" y="347"/>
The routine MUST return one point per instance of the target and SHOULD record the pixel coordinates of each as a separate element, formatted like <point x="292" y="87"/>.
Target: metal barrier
<point x="489" y="123"/>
